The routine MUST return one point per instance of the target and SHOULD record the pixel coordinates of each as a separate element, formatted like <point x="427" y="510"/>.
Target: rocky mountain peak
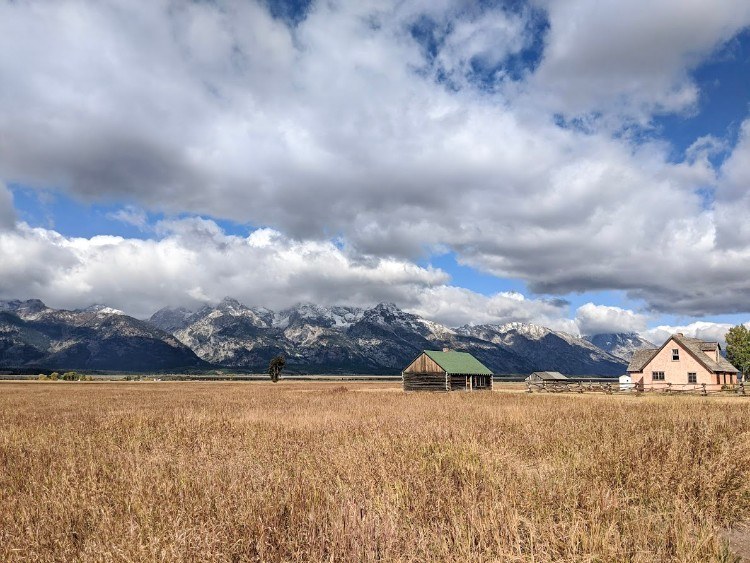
<point x="231" y="305"/>
<point x="528" y="330"/>
<point x="23" y="308"/>
<point x="171" y="319"/>
<point x="388" y="307"/>
<point x="100" y="309"/>
<point x="388" y="312"/>
<point x="620" y="344"/>
<point x="317" y="315"/>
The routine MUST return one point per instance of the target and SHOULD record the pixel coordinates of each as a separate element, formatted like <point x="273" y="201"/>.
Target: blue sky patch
<point x="72" y="218"/>
<point x="724" y="82"/>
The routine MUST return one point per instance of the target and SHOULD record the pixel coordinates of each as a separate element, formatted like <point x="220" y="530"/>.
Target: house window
<point x="675" y="354"/>
<point x="657" y="375"/>
<point x="692" y="377"/>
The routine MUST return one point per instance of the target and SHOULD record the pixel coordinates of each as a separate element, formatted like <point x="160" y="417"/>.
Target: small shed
<point x="626" y="382"/>
<point x="446" y="371"/>
<point x="545" y="376"/>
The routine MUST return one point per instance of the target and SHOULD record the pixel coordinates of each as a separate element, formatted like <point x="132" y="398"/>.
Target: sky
<point x="580" y="164"/>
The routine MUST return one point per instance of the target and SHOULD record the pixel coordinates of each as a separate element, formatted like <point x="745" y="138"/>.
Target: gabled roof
<point x="725" y="365"/>
<point x="641" y="358"/>
<point x="694" y="346"/>
<point x="548" y="375"/>
<point x="459" y="363"/>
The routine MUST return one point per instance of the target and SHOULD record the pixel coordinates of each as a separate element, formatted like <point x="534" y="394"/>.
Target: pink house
<point x="684" y="362"/>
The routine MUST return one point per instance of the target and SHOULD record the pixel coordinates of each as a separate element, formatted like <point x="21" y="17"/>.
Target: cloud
<point x="349" y="124"/>
<point x="631" y="58"/>
<point x="7" y="211"/>
<point x="600" y="319"/>
<point x="131" y="216"/>
<point x="732" y="197"/>
<point x="456" y="306"/>
<point x="195" y="262"/>
<point x="699" y="329"/>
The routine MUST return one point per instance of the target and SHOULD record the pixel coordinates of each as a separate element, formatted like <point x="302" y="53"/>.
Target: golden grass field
<point x="363" y="472"/>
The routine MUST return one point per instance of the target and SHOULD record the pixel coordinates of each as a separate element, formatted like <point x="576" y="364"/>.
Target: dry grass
<point x="357" y="472"/>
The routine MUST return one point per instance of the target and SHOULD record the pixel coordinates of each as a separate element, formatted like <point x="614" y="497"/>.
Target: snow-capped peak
<point x="532" y="331"/>
<point x="231" y="306"/>
<point x="337" y="316"/>
<point x="100" y="309"/>
<point x="622" y="345"/>
<point x="28" y="310"/>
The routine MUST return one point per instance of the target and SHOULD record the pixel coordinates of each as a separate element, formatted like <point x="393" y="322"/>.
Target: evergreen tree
<point x="738" y="348"/>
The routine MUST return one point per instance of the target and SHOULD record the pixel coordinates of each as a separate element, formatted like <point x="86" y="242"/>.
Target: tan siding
<point x="675" y="372"/>
<point x="713" y="354"/>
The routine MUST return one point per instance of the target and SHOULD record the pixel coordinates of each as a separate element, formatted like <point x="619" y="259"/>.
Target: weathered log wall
<point x="425" y="381"/>
<point x="458" y="383"/>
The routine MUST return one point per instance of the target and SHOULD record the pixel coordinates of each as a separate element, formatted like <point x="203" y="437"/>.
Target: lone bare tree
<point x="275" y="367"/>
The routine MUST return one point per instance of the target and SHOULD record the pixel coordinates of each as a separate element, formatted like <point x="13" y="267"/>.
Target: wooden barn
<point x="446" y="371"/>
<point x="545" y="376"/>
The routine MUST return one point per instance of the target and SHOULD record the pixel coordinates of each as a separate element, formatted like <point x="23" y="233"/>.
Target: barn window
<point x="657" y="375"/>
<point x="675" y="354"/>
<point x="692" y="377"/>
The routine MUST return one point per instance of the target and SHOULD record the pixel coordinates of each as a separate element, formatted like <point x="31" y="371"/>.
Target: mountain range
<point x="95" y="338"/>
<point x="312" y="338"/>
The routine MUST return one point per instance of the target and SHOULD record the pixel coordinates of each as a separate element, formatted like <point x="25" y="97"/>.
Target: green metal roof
<point x="460" y="363"/>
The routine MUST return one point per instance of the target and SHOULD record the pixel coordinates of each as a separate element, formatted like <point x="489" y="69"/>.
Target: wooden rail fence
<point x="615" y="387"/>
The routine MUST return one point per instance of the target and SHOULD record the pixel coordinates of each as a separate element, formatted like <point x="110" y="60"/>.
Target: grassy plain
<point x="364" y="472"/>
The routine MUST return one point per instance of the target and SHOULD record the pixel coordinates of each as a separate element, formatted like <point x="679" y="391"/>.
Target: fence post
<point x="669" y="388"/>
<point x="704" y="389"/>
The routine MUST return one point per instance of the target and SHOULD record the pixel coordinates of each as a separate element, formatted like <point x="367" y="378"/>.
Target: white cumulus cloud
<point x="349" y="124"/>
<point x="631" y="58"/>
<point x="194" y="262"/>
<point x="601" y="319"/>
<point x="456" y="306"/>
<point x="715" y="332"/>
